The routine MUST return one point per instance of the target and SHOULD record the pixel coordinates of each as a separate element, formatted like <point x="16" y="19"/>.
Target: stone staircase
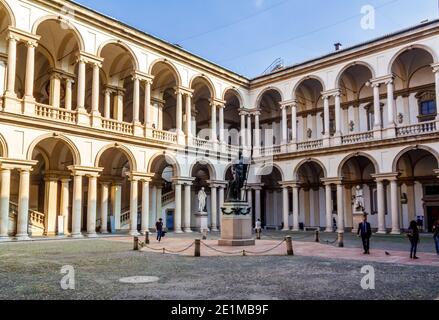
<point x="36" y="220"/>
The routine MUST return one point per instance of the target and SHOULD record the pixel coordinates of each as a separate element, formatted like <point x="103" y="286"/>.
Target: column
<point x="284" y="125"/>
<point x="214" y="208"/>
<point x="249" y="130"/>
<point x="257" y="142"/>
<point x="118" y="105"/>
<point x="154" y="214"/>
<point x="337" y="114"/>
<point x="294" y="121"/>
<point x="5" y="192"/>
<point x="381" y="208"/>
<point x="147" y="106"/>
<point x="2" y="77"/>
<point x="285" y="209"/>
<point x="377" y="106"/>
<point x="30" y="70"/>
<point x="250" y="198"/>
<point x="77" y="206"/>
<point x="159" y="205"/>
<point x="117" y="204"/>
<point x="136" y="100"/>
<point x="243" y="131"/>
<point x="296" y="208"/>
<point x="326" y="116"/>
<point x="221" y="203"/>
<point x="107" y="104"/>
<point x="12" y="61"/>
<point x="95" y="90"/>
<point x="188" y="129"/>
<point x="390" y="104"/>
<point x="328" y="201"/>
<point x="64" y="206"/>
<point x="436" y="78"/>
<point x="69" y="96"/>
<point x="177" y="220"/>
<point x="50" y="204"/>
<point x="187" y="208"/>
<point x="134" y="207"/>
<point x="81" y="84"/>
<point x="91" y="206"/>
<point x="396" y="228"/>
<point x="105" y="186"/>
<point x="23" y="205"/>
<point x="258" y="203"/>
<point x="179" y="112"/>
<point x="221" y="124"/>
<point x="55" y="90"/>
<point x="340" y="207"/>
<point x="145" y="207"/>
<point x="214" y="135"/>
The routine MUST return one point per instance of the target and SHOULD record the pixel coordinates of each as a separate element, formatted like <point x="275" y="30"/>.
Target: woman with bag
<point x="413" y="235"/>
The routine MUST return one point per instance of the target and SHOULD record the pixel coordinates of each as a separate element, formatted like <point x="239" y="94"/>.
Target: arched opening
<point x="51" y="189"/>
<point x="357" y="99"/>
<point x="357" y="173"/>
<point x="270" y="118"/>
<point x="114" y="181"/>
<point x="419" y="187"/>
<point x="164" y="97"/>
<point x="311" y="206"/>
<point x="5" y="22"/>
<point x="309" y="110"/>
<point x="271" y="198"/>
<point x="56" y="68"/>
<point x="163" y="192"/>
<point x="202" y="108"/>
<point x="116" y="100"/>
<point x="414" y="83"/>
<point x="231" y="118"/>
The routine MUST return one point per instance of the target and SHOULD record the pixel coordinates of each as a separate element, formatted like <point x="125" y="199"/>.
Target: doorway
<point x="432" y="216"/>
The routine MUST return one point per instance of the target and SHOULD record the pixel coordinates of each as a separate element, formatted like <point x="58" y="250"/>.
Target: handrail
<point x="310" y="145"/>
<point x="166" y="136"/>
<point x="50" y="112"/>
<point x="36" y="218"/>
<point x="117" y="126"/>
<point x="414" y="129"/>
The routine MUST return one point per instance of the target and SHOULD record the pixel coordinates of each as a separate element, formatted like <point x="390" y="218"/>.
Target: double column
<point x="285" y="106"/>
<point x="336" y="93"/>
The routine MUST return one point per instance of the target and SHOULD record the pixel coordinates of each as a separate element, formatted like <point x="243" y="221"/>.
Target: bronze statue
<point x="240" y="174"/>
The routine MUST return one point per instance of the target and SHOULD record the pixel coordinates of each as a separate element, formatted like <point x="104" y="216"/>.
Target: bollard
<point x="136" y="244"/>
<point x="244" y="253"/>
<point x="146" y="237"/>
<point x="289" y="242"/>
<point x="317" y="236"/>
<point x="197" y="248"/>
<point x="340" y="240"/>
<point x="258" y="234"/>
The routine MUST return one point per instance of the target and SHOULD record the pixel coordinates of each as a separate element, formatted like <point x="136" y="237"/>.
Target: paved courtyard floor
<point x="32" y="270"/>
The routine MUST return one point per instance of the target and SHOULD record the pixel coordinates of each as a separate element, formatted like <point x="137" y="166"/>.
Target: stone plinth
<point x="201" y="219"/>
<point x="358" y="217"/>
<point x="236" y="228"/>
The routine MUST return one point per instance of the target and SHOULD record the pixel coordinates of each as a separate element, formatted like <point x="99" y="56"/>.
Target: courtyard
<point x="32" y="270"/>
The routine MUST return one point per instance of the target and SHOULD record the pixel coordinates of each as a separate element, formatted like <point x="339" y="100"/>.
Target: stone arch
<point x="259" y="98"/>
<point x="267" y="169"/>
<point x="317" y="78"/>
<point x="127" y="152"/>
<point x="208" y="164"/>
<point x="210" y="84"/>
<point x="398" y="157"/>
<point x="358" y="154"/>
<point x="3" y="147"/>
<point x="310" y="160"/>
<point x="170" y="65"/>
<point x="11" y="14"/>
<point x="78" y="35"/>
<point x="355" y="63"/>
<point x="123" y="45"/>
<point x="235" y="92"/>
<point x="170" y="160"/>
<point x="410" y="47"/>
<point x="71" y="145"/>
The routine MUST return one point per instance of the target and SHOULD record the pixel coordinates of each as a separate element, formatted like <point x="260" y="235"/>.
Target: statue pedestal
<point x="201" y="219"/>
<point x="358" y="217"/>
<point x="236" y="228"/>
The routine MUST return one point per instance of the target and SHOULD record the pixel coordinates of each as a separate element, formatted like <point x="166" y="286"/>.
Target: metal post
<point x="146" y="237"/>
<point x="136" y="244"/>
<point x="317" y="236"/>
<point x="197" y="248"/>
<point x="340" y="240"/>
<point x="289" y="242"/>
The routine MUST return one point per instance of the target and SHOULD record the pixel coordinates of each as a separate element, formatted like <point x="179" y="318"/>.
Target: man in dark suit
<point x="365" y="231"/>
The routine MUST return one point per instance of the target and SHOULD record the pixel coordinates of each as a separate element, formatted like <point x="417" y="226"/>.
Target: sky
<point x="246" y="36"/>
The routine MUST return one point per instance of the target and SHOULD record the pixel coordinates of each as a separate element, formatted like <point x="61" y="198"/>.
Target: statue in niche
<point x="202" y="196"/>
<point x="359" y="199"/>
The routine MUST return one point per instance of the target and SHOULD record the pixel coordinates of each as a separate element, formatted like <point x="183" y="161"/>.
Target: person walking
<point x="159" y="229"/>
<point x="413" y="235"/>
<point x="436" y="235"/>
<point x="365" y="231"/>
<point x="258" y="229"/>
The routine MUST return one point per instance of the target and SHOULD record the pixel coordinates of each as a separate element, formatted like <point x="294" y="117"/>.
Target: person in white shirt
<point x="258" y="229"/>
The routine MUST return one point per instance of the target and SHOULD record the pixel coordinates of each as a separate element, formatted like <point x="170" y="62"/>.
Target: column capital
<point x="85" y="171"/>
<point x="288" y="103"/>
<point x="89" y="58"/>
<point x="331" y="93"/>
<point x="392" y="176"/>
<point x="217" y="102"/>
<point x="183" y="180"/>
<point x="142" y="76"/>
<point x="330" y="181"/>
<point x="243" y="112"/>
<point x="141" y="176"/>
<point x="217" y="183"/>
<point x="435" y="67"/>
<point x="20" y="35"/>
<point x="12" y="164"/>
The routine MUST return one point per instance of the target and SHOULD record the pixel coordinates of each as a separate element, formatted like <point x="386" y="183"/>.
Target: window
<point x="427" y="106"/>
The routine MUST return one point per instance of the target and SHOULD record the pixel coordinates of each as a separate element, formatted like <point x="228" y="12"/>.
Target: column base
<point x="82" y="117"/>
<point x="92" y="235"/>
<point x="5" y="239"/>
<point x="178" y="231"/>
<point x="214" y="229"/>
<point x="336" y="140"/>
<point x="377" y="133"/>
<point x="381" y="232"/>
<point x="134" y="233"/>
<point x="22" y="237"/>
<point x="181" y="138"/>
<point x="188" y="230"/>
<point x="329" y="230"/>
<point x="138" y="129"/>
<point x="29" y="106"/>
<point x="96" y="120"/>
<point x="105" y="232"/>
<point x="77" y="236"/>
<point x="11" y="103"/>
<point x="391" y="132"/>
<point x="286" y="230"/>
<point x="395" y="232"/>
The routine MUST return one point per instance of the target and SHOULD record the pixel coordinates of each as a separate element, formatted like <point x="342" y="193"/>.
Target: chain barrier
<point x="266" y="251"/>
<point x="244" y="252"/>
<point x="164" y="250"/>
<point x="295" y="239"/>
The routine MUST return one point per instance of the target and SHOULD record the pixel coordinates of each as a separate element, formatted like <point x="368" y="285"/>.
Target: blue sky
<point x="246" y="36"/>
